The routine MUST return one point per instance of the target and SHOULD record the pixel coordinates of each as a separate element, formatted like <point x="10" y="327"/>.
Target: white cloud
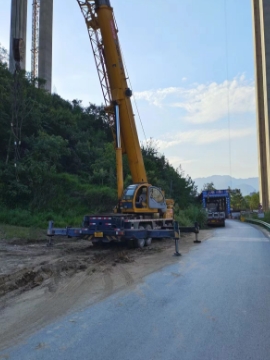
<point x="202" y="137"/>
<point x="156" y="97"/>
<point x="176" y="161"/>
<point x="205" y="103"/>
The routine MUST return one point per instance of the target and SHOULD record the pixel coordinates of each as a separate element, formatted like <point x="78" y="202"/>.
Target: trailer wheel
<point x="96" y="244"/>
<point x="130" y="243"/>
<point x="140" y="242"/>
<point x="148" y="241"/>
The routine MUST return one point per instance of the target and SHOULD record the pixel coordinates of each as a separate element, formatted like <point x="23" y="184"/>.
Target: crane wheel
<point x="148" y="241"/>
<point x="140" y="243"/>
<point x="96" y="244"/>
<point x="130" y="243"/>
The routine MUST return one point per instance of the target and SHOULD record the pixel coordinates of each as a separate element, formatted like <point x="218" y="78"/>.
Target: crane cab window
<point x="129" y="193"/>
<point x="156" y="195"/>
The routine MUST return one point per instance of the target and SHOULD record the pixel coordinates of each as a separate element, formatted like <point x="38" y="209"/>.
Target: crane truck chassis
<point x="119" y="228"/>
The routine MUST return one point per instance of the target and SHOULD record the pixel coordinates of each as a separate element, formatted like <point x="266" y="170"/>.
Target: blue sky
<point x="191" y="67"/>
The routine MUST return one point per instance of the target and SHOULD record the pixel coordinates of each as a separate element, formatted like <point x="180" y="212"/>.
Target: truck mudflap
<point x="108" y="235"/>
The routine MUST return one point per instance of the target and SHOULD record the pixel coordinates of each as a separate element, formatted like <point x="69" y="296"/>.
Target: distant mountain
<point x="220" y="182"/>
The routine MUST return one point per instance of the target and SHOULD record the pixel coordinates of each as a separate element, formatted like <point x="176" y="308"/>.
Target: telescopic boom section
<point x="103" y="20"/>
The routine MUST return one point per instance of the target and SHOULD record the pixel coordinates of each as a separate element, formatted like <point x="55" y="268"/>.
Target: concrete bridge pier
<point x="18" y="25"/>
<point x="261" y="31"/>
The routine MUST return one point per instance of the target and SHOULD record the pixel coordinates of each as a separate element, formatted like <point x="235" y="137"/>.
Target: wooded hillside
<point x="57" y="158"/>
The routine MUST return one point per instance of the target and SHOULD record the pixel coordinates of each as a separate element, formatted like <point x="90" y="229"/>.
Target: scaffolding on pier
<point x="35" y="38"/>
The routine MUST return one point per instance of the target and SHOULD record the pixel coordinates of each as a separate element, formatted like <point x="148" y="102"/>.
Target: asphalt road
<point x="214" y="304"/>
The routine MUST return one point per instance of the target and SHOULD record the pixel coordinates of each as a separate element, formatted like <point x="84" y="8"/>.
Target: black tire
<point x="148" y="241"/>
<point x="140" y="243"/>
<point x="96" y="244"/>
<point x="130" y="244"/>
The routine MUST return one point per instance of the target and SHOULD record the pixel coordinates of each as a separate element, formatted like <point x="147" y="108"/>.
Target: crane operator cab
<point x="143" y="199"/>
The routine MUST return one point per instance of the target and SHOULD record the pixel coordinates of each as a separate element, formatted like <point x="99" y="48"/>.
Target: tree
<point x="247" y="202"/>
<point x="237" y="200"/>
<point x="208" y="186"/>
<point x="3" y="55"/>
<point x="161" y="173"/>
<point x="255" y="201"/>
<point x="65" y="161"/>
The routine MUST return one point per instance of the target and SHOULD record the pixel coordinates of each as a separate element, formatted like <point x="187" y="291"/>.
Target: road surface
<point x="211" y="305"/>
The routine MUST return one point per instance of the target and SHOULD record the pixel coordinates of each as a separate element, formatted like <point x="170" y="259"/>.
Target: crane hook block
<point x="128" y="92"/>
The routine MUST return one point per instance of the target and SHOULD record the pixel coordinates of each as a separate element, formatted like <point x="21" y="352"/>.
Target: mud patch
<point x="40" y="283"/>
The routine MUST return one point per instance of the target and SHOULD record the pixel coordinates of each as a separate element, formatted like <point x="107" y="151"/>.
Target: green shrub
<point x="21" y="217"/>
<point x="191" y="215"/>
<point x="267" y="217"/>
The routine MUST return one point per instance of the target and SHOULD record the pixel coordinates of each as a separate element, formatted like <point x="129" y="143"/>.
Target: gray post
<point x="176" y="239"/>
<point x="50" y="233"/>
<point x="196" y="231"/>
<point x="45" y="43"/>
<point x="18" y="25"/>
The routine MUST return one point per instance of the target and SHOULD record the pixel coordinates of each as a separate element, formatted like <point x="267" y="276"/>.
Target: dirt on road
<point x="40" y="283"/>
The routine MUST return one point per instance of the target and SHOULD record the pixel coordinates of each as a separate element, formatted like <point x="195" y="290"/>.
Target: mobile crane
<point x="142" y="212"/>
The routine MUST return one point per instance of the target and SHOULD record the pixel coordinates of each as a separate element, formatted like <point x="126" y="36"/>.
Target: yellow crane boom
<point x="139" y="200"/>
<point x="103" y="34"/>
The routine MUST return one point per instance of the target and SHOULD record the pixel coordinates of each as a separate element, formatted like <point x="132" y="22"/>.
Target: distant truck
<point x="217" y="205"/>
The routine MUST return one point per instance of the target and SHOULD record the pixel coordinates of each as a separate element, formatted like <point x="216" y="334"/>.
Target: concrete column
<point x="45" y="42"/>
<point x="18" y="25"/>
<point x="265" y="15"/>
<point x="259" y="51"/>
<point x="261" y="26"/>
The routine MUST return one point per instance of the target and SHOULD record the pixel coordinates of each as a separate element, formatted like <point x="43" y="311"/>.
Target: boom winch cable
<point x="228" y="89"/>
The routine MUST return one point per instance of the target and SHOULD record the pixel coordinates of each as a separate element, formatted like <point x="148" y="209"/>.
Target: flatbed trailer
<point x="119" y="228"/>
